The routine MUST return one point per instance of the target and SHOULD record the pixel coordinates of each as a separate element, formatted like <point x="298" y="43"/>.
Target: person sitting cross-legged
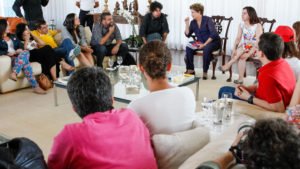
<point x="65" y="50"/>
<point x="104" y="33"/>
<point x="107" y="137"/>
<point x="276" y="80"/>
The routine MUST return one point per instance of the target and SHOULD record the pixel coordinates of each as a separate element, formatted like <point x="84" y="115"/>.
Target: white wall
<point x="285" y="12"/>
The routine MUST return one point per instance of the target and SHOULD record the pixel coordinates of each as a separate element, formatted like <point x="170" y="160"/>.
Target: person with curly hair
<point x="154" y="24"/>
<point x="270" y="144"/>
<point x="167" y="109"/>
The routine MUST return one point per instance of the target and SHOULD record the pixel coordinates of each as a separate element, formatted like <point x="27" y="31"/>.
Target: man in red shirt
<point x="276" y="80"/>
<point x="106" y="138"/>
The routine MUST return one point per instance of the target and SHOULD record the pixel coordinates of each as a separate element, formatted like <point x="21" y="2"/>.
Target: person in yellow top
<point x="65" y="50"/>
<point x="48" y="37"/>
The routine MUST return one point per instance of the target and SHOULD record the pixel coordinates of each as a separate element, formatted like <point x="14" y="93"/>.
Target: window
<point x="6" y="6"/>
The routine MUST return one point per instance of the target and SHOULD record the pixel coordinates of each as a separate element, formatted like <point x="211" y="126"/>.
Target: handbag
<point x="21" y="153"/>
<point x="44" y="82"/>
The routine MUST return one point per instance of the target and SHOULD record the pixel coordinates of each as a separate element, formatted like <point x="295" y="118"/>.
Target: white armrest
<point x="5" y="67"/>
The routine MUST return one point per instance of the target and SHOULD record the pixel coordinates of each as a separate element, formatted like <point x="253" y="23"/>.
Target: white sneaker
<point x="74" y="52"/>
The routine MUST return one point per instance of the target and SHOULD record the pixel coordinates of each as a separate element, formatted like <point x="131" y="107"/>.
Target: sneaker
<point x="238" y="82"/>
<point x="74" y="52"/>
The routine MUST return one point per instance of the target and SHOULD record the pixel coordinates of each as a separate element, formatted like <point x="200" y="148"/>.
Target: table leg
<point x="136" y="59"/>
<point x="55" y="96"/>
<point x="197" y="90"/>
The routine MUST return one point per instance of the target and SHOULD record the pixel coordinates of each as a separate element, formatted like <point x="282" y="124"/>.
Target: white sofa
<point x="220" y="144"/>
<point x="7" y="85"/>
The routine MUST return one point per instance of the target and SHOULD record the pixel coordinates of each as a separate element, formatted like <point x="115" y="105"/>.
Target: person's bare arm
<point x="296" y="95"/>
<point x="116" y="48"/>
<point x="242" y="93"/>
<point x="38" y="40"/>
<point x="105" y="38"/>
<point x="144" y="40"/>
<point x="164" y="37"/>
<point x="201" y="46"/>
<point x="238" y="39"/>
<point x="187" y="26"/>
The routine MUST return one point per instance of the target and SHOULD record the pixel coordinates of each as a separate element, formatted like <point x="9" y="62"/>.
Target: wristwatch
<point x="250" y="99"/>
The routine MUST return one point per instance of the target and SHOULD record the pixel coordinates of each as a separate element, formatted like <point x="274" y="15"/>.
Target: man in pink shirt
<point x="106" y="138"/>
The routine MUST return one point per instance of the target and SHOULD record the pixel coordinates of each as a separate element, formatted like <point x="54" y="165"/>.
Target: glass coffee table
<point x="124" y="93"/>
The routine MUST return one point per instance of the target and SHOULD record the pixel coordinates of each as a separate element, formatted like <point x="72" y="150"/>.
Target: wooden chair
<point x="263" y="22"/>
<point x="220" y="23"/>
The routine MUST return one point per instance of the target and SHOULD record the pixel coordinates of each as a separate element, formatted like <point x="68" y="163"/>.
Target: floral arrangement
<point x="129" y="18"/>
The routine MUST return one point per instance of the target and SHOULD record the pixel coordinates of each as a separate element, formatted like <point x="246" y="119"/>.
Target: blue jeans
<point x="153" y="36"/>
<point x="64" y="49"/>
<point x="227" y="89"/>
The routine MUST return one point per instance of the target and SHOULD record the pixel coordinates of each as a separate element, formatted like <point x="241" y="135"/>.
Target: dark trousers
<point x="85" y="19"/>
<point x="32" y="24"/>
<point x="105" y="50"/>
<point x="207" y="55"/>
<point x="46" y="57"/>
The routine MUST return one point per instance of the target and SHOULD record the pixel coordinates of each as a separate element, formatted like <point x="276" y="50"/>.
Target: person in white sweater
<point x="291" y="52"/>
<point x="167" y="109"/>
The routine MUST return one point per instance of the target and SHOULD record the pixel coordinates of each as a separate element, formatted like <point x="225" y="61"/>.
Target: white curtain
<point x="285" y="13"/>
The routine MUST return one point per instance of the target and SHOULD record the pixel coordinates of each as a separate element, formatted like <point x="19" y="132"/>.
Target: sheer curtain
<point x="285" y="13"/>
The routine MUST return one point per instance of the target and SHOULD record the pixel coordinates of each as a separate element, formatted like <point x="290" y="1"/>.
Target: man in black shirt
<point x="32" y="9"/>
<point x="155" y="25"/>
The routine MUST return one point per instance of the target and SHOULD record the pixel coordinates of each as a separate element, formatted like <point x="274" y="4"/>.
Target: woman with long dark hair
<point x="75" y="32"/>
<point x="246" y="42"/>
<point x="44" y="55"/>
<point x="296" y="27"/>
<point x="12" y="47"/>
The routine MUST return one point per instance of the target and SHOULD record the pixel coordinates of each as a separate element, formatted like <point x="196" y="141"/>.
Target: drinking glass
<point x="110" y="63"/>
<point x="119" y="60"/>
<point x="218" y="111"/>
<point x="227" y="99"/>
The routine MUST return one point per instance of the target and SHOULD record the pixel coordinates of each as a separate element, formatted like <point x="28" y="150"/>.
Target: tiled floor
<point x="25" y="114"/>
<point x="178" y="59"/>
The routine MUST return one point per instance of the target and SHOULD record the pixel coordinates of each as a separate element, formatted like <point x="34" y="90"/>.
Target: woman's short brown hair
<point x="155" y="58"/>
<point x="198" y="7"/>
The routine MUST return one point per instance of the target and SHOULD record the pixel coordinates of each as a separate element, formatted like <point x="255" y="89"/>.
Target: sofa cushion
<point x="13" y="22"/>
<point x="172" y="150"/>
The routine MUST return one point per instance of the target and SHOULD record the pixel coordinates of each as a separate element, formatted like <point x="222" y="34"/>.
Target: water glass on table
<point x="110" y="63"/>
<point x="227" y="99"/>
<point x="119" y="60"/>
<point x="218" y="109"/>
